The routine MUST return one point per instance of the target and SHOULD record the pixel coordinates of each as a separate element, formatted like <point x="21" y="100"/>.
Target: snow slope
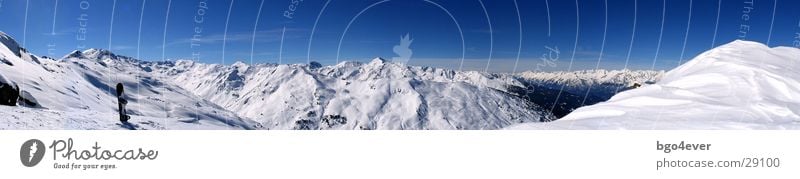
<point x="740" y="85"/>
<point x="83" y="81"/>
<point x="21" y="118"/>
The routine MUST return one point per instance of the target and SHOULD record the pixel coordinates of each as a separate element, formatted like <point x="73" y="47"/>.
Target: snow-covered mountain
<point x="740" y="85"/>
<point x="352" y="95"/>
<point x="82" y="83"/>
<point x="349" y="95"/>
<point x="377" y="95"/>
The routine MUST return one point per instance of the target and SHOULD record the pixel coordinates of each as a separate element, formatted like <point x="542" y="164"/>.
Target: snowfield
<point x="20" y="118"/>
<point x="740" y="85"/>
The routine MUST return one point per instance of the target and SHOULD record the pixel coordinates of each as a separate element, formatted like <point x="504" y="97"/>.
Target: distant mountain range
<point x="739" y="85"/>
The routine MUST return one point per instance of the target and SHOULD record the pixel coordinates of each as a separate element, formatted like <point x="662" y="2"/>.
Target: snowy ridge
<point x="740" y="85"/>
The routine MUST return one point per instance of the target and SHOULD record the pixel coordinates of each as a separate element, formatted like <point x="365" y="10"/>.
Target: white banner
<point x="399" y="154"/>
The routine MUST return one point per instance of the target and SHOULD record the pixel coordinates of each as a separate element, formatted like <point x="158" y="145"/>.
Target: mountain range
<point x="77" y="92"/>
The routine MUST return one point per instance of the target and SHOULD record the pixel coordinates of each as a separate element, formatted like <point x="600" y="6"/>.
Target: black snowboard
<point x="122" y="103"/>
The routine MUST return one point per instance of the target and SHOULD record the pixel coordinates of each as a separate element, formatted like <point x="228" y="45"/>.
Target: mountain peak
<point x="95" y="54"/>
<point x="10" y="43"/>
<point x="3" y="34"/>
<point x="741" y="43"/>
<point x="74" y="54"/>
<point x="378" y="60"/>
<point x="98" y="52"/>
<point x="742" y="46"/>
<point x="240" y="65"/>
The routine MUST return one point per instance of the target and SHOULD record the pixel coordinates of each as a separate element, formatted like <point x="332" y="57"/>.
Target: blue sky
<point x="53" y="29"/>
